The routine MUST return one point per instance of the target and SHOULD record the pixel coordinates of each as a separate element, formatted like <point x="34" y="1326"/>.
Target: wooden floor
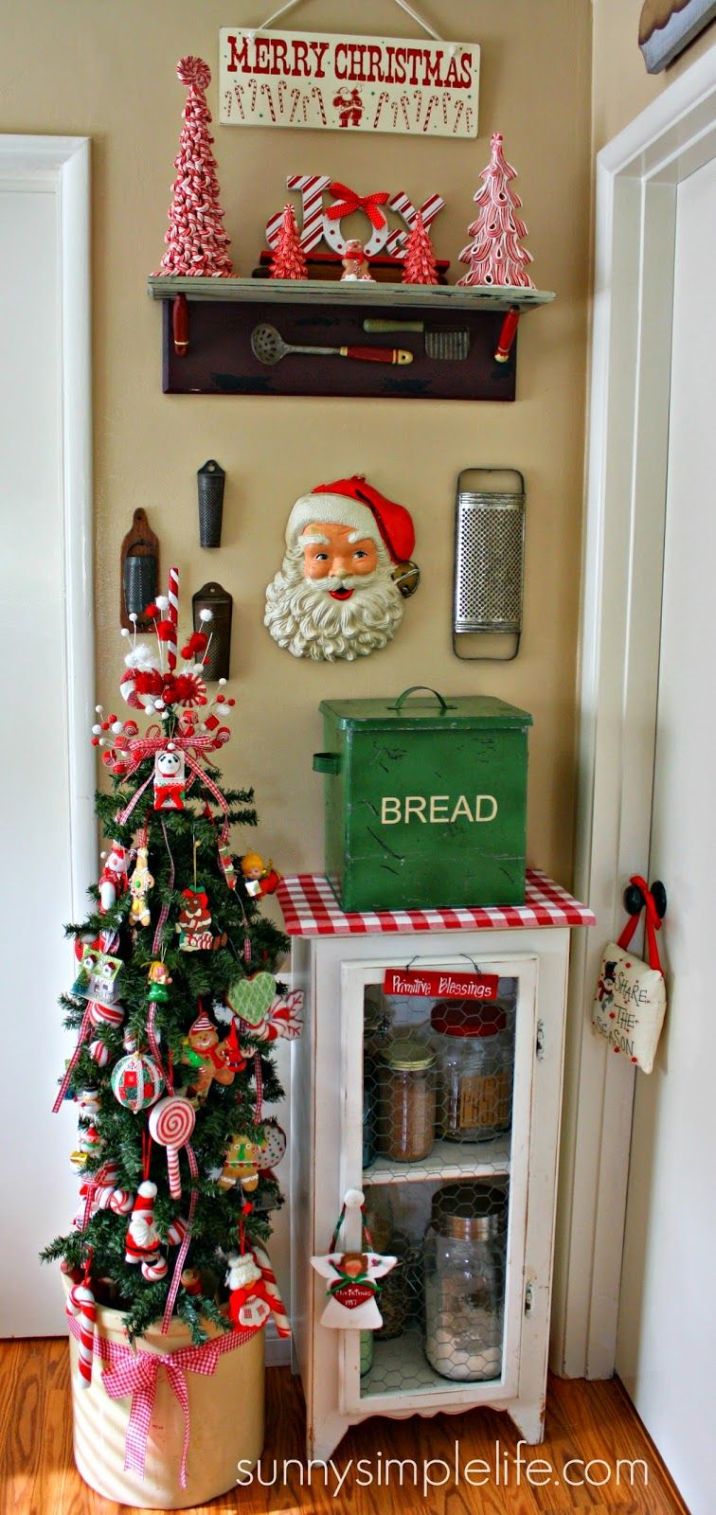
<point x="584" y="1421"/>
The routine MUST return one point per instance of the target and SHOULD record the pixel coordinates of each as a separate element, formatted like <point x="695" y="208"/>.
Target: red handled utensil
<point x="268" y="346"/>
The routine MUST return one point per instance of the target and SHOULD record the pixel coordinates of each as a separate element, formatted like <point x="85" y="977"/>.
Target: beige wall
<point x="107" y="71"/>
<point x="621" y="86"/>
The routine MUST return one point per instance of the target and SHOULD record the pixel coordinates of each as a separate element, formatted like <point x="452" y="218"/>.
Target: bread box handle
<point x="414" y="689"/>
<point x="326" y="762"/>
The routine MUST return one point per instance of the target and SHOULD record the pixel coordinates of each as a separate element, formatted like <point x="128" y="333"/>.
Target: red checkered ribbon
<point x="81" y="1038"/>
<point x="135" y="1373"/>
<point x="186" y="1242"/>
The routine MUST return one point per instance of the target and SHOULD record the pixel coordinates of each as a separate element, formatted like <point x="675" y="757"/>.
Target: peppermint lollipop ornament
<point x="171" y="1123"/>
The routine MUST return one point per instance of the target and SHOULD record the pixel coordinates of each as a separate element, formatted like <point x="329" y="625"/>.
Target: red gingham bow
<point x="136" y="1373"/>
<point x="348" y="201"/>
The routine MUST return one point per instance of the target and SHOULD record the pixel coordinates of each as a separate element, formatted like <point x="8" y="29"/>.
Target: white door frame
<point x="637" y="177"/>
<point x="63" y="164"/>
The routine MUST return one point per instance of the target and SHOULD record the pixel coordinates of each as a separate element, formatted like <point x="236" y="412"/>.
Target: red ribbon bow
<point x="347" y="201"/>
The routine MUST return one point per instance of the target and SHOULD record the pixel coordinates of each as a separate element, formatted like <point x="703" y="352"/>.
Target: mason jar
<point x="464" y="1280"/>
<point x="406" y="1102"/>
<point x="474" y="1051"/>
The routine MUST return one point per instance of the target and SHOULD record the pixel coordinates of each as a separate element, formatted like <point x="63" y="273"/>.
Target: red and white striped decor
<point x="310" y="908"/>
<point x="311" y="188"/>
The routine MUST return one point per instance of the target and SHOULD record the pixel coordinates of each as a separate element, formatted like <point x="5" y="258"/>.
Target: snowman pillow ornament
<point x="352" y="1277"/>
<point x="630" y="1000"/>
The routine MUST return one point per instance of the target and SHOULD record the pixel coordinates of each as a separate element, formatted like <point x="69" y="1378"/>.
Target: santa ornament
<point x="339" y="592"/>
<point x="353" y="1277"/>
<point x="142" y="1244"/>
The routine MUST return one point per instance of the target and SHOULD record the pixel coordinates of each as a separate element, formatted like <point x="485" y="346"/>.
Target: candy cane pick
<point x="173" y="616"/>
<point x="82" y="1304"/>
<point x="171" y="1122"/>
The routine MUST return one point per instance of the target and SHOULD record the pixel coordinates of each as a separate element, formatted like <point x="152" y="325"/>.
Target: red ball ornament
<point x="136" y="1081"/>
<point x="99" y="1052"/>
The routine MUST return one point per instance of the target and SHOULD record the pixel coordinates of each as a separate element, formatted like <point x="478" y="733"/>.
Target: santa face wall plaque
<point x="339" y="592"/>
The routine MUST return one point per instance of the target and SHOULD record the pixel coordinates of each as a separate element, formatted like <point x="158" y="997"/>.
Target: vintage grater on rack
<point x="489" y="554"/>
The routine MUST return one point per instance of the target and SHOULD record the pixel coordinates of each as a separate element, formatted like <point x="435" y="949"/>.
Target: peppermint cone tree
<point x="196" y="241"/>
<point x="494" y="256"/>
<point x="420" y="266"/>
<point x="288" y="261"/>
<point x="175" y="1008"/>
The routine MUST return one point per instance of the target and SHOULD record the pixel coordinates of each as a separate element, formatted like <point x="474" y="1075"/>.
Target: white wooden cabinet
<point x="335" y="971"/>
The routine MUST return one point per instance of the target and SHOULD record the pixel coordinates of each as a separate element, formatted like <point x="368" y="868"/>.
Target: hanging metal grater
<point x="489" y="558"/>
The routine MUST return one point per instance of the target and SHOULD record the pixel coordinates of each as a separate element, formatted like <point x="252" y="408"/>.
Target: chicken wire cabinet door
<point x="437" y="1137"/>
<point x="446" y="1115"/>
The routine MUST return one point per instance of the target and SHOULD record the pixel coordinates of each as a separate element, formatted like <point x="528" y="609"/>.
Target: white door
<point x="46" y="822"/>
<point x="667" y="1328"/>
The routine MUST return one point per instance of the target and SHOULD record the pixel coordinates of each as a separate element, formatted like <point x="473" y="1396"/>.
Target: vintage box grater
<point x="489" y="557"/>
<point x="425" y="801"/>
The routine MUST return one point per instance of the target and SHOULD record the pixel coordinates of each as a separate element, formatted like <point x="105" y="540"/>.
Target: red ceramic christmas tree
<point x="419" y="267"/>
<point x="288" y="261"/>
<point x="196" y="241"/>
<point x="494" y="256"/>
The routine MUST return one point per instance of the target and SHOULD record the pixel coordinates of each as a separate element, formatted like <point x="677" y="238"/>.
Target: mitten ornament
<point x="247" y="1304"/>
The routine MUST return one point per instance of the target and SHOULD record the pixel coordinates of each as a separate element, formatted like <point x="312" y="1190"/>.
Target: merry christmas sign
<point x="379" y="84"/>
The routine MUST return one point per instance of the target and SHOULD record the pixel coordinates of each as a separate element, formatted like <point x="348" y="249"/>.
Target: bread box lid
<point x="432" y="712"/>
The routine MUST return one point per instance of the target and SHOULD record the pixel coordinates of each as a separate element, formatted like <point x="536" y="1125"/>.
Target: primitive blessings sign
<point x="378" y="84"/>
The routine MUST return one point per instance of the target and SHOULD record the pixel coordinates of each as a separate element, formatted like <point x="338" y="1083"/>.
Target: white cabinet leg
<point x="528" y="1416"/>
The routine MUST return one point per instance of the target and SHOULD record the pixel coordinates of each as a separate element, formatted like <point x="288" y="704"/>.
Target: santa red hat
<point x="145" y="1197"/>
<point x="354" y="502"/>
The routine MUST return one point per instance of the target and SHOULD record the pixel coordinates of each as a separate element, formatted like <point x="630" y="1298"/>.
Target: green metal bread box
<point x="425" y="801"/>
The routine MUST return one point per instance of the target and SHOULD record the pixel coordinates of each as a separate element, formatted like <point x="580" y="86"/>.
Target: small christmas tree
<point x="196" y="241"/>
<point x="420" y="266"/>
<point x="176" y="1152"/>
<point x="288" y="261"/>
<point x="494" y="256"/>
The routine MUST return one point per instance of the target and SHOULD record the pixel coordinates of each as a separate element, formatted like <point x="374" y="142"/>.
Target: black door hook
<point x="634" y="899"/>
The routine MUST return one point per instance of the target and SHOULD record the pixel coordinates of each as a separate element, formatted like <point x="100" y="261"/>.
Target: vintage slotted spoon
<point x="268" y="346"/>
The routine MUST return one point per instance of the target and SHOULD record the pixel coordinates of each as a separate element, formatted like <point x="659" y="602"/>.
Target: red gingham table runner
<point x="310" y="908"/>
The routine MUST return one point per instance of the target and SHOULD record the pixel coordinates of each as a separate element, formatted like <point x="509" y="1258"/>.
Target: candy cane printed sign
<point x="378" y="84"/>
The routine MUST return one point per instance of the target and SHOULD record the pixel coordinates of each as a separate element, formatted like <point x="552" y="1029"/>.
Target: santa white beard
<point x="302" y="616"/>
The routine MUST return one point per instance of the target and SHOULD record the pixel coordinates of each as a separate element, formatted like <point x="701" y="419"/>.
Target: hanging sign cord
<point x="404" y="6"/>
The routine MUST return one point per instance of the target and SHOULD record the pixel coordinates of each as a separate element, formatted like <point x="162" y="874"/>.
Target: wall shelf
<point x="207" y="327"/>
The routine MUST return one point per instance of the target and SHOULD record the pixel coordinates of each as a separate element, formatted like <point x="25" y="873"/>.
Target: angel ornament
<point x="353" y="1286"/>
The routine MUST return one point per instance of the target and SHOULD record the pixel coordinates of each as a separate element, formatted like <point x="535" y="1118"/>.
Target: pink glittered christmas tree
<point x="288" y="261"/>
<point x="494" y="256"/>
<point x="196" y="241"/>
<point x="419" y="266"/>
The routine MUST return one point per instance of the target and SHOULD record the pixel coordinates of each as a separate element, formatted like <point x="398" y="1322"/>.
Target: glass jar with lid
<point x="464" y="1280"/>
<point x="474" y="1049"/>
<point x="406" y="1098"/>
